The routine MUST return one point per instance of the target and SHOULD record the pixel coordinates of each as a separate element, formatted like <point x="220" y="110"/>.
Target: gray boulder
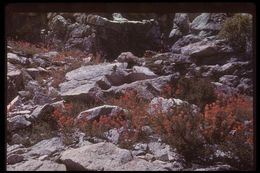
<point x="36" y="165"/>
<point x="101" y="156"/>
<point x="88" y="82"/>
<point x="41" y="113"/>
<point x="245" y="86"/>
<point x="129" y="58"/>
<point x="96" y="112"/>
<point x="146" y="89"/>
<point x="139" y="165"/>
<point x="46" y="147"/>
<point x="181" y="26"/>
<point x="216" y="168"/>
<point x="164" y="152"/>
<point x="14" y="59"/>
<point x="14" y="158"/>
<point x="208" y="51"/>
<point x="184" y="41"/>
<point x="208" y="22"/>
<point x="18" y="139"/>
<point x="81" y="81"/>
<point x="14" y="81"/>
<point x="37" y="72"/>
<point x="18" y="122"/>
<point x="162" y="105"/>
<point x="113" y="135"/>
<point x="229" y="80"/>
<point x="58" y="24"/>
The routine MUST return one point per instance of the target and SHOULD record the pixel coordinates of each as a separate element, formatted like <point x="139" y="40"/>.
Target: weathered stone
<point x="216" y="168"/>
<point x="13" y="103"/>
<point x="14" y="59"/>
<point x="140" y="73"/>
<point x="208" y="52"/>
<point x="184" y="41"/>
<point x="58" y="24"/>
<point x="17" y="139"/>
<point x="101" y="156"/>
<point x="14" y="81"/>
<point x="46" y="147"/>
<point x="147" y="89"/>
<point x="82" y="80"/>
<point x="18" y="122"/>
<point x="129" y="58"/>
<point x="245" y="86"/>
<point x="208" y="22"/>
<point x="96" y="112"/>
<point x="229" y="80"/>
<point x="36" y="165"/>
<point x="52" y="92"/>
<point x="36" y="72"/>
<point x="113" y="135"/>
<point x="180" y="26"/>
<point x="138" y="165"/>
<point x="164" y="152"/>
<point x="24" y="94"/>
<point x="11" y="148"/>
<point x="33" y="86"/>
<point x="161" y="105"/>
<point x="41" y="112"/>
<point x="14" y="158"/>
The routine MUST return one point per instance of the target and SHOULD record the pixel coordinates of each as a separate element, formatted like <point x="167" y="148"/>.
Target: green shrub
<point x="198" y="91"/>
<point x="238" y="31"/>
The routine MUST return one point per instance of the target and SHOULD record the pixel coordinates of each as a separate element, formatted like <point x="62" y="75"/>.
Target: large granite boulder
<point x="101" y="156"/>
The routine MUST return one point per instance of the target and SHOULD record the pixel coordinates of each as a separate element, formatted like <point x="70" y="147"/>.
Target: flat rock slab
<point x="46" y="147"/>
<point x="100" y="156"/>
<point x="36" y="165"/>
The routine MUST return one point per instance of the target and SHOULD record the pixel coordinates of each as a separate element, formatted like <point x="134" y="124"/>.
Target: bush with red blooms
<point x="229" y="123"/>
<point x="64" y="119"/>
<point x="27" y="48"/>
<point x="199" y="91"/>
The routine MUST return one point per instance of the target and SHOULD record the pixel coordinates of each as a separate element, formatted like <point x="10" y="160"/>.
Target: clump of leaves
<point x="64" y="120"/>
<point x="238" y="31"/>
<point x="180" y="130"/>
<point x="229" y="123"/>
<point x="134" y="120"/>
<point x="198" y="91"/>
<point x="27" y="47"/>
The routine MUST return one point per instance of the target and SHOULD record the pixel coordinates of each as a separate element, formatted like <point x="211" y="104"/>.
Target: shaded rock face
<point x="14" y="81"/>
<point x="131" y="33"/>
<point x="181" y="26"/>
<point x="109" y="37"/>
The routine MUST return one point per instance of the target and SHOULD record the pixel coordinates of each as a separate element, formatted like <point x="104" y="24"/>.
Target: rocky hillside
<point x="125" y="91"/>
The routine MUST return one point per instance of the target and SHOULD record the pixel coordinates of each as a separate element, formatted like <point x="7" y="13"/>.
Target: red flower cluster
<point x="63" y="117"/>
